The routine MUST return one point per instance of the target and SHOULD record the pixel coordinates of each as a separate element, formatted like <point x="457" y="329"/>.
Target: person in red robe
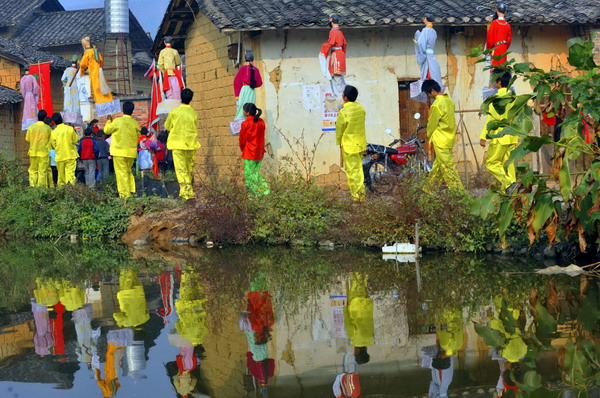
<point x="333" y="56"/>
<point x="499" y="36"/>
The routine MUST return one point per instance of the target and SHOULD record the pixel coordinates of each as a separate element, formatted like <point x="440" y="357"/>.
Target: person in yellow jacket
<point x="351" y="136"/>
<point x="182" y="124"/>
<point x="125" y="131"/>
<point x="358" y="317"/>
<point x="38" y="136"/>
<point x="132" y="301"/>
<point x="64" y="141"/>
<point x="441" y="131"/>
<point x="501" y="147"/>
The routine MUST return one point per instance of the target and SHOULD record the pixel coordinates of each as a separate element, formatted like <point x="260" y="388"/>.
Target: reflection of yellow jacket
<point x="358" y="314"/>
<point x="493" y="115"/>
<point x="452" y="338"/>
<point x="38" y="136"/>
<point x="190" y="309"/>
<point x="64" y="139"/>
<point x="441" y="128"/>
<point x="182" y="124"/>
<point x="132" y="301"/>
<point x="350" y="130"/>
<point x="71" y="297"/>
<point x="110" y="384"/>
<point x="125" y="132"/>
<point x="47" y="292"/>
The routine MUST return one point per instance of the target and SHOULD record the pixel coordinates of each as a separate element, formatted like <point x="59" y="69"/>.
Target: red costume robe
<point x="337" y="45"/>
<point x="499" y="38"/>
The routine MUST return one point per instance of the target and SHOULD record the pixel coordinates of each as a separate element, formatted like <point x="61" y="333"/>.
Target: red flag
<point x="153" y="119"/>
<point x="42" y="72"/>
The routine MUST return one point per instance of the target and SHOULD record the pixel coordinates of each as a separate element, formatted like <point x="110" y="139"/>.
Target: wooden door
<point x="408" y="108"/>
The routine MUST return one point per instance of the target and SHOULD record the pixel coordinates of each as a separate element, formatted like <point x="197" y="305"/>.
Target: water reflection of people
<point x="440" y="358"/>
<point x="132" y="301"/>
<point x="48" y="294"/>
<point x="510" y="373"/>
<point x="118" y="340"/>
<point x="42" y="339"/>
<point x="257" y="322"/>
<point x="86" y="337"/>
<point x="188" y="335"/>
<point x="358" y="317"/>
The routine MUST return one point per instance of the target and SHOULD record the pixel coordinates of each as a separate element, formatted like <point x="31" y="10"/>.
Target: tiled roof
<point x="14" y="11"/>
<point x="69" y="27"/>
<point x="9" y="96"/>
<point x="25" y="54"/>
<point x="274" y="14"/>
<point x="142" y="59"/>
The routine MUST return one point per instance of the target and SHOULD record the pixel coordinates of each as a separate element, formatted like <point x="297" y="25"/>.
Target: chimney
<point x="117" y="16"/>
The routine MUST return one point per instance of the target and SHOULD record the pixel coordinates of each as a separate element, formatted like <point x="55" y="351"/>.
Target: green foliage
<point x="572" y="95"/>
<point x="54" y="213"/>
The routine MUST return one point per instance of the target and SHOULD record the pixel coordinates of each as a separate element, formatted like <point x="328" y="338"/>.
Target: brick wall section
<point x="596" y="38"/>
<point x="210" y="75"/>
<point x="12" y="139"/>
<point x="10" y="73"/>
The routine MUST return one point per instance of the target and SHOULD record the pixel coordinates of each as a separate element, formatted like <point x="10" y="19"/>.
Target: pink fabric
<point x="30" y="90"/>
<point x="243" y="79"/>
<point x="188" y="358"/>
<point x="174" y="91"/>
<point x="259" y="371"/>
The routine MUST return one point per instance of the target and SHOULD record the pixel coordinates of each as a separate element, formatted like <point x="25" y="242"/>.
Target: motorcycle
<point x="383" y="165"/>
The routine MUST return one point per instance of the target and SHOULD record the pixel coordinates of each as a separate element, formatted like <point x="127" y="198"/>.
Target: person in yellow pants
<point x="501" y="147"/>
<point x="125" y="132"/>
<point x="182" y="124"/>
<point x="351" y="136"/>
<point x="38" y="136"/>
<point x="64" y="141"/>
<point x="441" y="131"/>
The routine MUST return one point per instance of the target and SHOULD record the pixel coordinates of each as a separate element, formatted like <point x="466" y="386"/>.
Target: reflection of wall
<point x="226" y="348"/>
<point x="15" y="339"/>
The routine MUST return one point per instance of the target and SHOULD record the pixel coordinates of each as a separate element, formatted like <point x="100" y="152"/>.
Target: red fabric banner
<point x="42" y="73"/>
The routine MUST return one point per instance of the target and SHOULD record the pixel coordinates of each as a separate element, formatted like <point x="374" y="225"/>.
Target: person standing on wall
<point x="64" y="140"/>
<point x="351" y="136"/>
<point x="38" y="136"/>
<point x="252" y="144"/>
<point x="441" y="131"/>
<point x="88" y="151"/>
<point x="125" y="131"/>
<point x="501" y="147"/>
<point x="182" y="124"/>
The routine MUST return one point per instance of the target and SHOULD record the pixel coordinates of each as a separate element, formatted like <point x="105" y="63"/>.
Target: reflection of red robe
<point x="56" y="324"/>
<point x="337" y="45"/>
<point x="262" y="370"/>
<point x="499" y="38"/>
<point x="260" y="313"/>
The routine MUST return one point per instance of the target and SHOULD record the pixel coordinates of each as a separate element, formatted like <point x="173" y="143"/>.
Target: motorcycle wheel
<point x="379" y="177"/>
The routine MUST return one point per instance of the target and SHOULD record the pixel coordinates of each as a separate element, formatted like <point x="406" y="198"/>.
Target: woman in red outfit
<point x="252" y="144"/>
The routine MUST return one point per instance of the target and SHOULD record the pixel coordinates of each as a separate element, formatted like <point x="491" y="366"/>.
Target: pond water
<point x="96" y="320"/>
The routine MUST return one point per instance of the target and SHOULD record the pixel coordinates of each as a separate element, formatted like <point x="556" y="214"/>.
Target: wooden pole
<point x="417" y="269"/>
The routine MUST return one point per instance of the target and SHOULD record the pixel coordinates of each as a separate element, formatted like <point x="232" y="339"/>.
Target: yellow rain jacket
<point x="38" y="136"/>
<point x="441" y="128"/>
<point x="64" y="140"/>
<point x="452" y="338"/>
<point x="182" y="124"/>
<point x="358" y="314"/>
<point x="350" y="128"/>
<point x="494" y="115"/>
<point x="125" y="132"/>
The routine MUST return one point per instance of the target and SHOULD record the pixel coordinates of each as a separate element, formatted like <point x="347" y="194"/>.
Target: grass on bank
<point x="294" y="212"/>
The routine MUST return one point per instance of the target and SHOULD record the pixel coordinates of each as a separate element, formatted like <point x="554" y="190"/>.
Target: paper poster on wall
<point x="337" y="314"/>
<point x="331" y="105"/>
<point x="311" y="93"/>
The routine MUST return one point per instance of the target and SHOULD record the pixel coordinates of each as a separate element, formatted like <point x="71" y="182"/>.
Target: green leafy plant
<point x="559" y="202"/>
